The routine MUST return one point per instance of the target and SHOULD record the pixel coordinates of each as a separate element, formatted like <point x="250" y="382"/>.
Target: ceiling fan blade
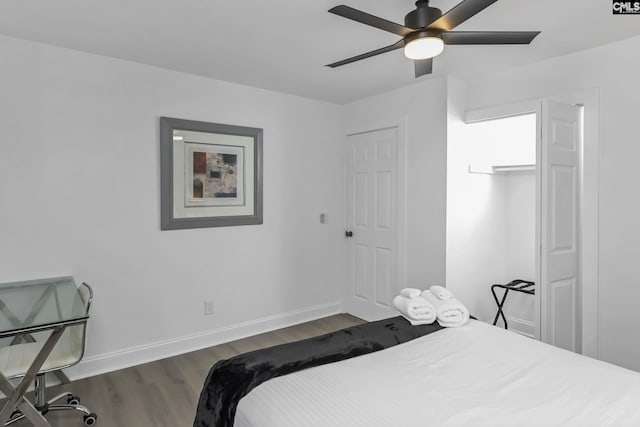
<point x="459" y="14"/>
<point x="489" y="37"/>
<point x="423" y="66"/>
<point x="368" y="19"/>
<point x="394" y="46"/>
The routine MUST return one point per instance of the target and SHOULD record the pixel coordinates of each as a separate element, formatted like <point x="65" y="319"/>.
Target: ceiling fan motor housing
<point x="422" y="16"/>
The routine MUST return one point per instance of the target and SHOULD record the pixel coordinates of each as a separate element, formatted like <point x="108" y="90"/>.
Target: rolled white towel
<point x="410" y="292"/>
<point x="418" y="311"/>
<point x="441" y="292"/>
<point x="450" y="313"/>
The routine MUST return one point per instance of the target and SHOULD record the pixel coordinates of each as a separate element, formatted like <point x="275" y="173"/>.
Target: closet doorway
<point x="491" y="216"/>
<point x="513" y="186"/>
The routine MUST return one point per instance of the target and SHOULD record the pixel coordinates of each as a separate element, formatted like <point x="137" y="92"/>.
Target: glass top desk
<point x="26" y="308"/>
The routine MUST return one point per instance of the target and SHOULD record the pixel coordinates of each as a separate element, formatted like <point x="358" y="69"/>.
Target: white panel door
<point x="560" y="192"/>
<point x="372" y="223"/>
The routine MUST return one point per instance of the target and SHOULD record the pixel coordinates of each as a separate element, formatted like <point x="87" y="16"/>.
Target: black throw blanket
<point x="230" y="380"/>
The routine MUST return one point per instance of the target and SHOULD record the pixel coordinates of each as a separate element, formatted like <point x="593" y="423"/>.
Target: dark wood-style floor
<point x="165" y="393"/>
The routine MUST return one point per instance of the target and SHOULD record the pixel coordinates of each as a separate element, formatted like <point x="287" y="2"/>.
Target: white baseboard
<point x="107" y="362"/>
<point x="521" y="326"/>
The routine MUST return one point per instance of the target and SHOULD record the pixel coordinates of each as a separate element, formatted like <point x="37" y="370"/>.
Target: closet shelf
<point x="501" y="169"/>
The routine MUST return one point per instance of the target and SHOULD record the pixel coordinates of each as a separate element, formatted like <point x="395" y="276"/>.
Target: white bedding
<point x="475" y="375"/>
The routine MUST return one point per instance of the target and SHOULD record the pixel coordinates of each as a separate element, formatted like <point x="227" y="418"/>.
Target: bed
<point x="474" y="375"/>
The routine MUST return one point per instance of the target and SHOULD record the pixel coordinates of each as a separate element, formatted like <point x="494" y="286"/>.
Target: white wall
<point x="613" y="70"/>
<point x="475" y="237"/>
<point x="421" y="109"/>
<point x="520" y="253"/>
<point x="520" y="201"/>
<point x="79" y="195"/>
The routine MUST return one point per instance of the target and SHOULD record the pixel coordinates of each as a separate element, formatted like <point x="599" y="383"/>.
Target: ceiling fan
<point x="426" y="30"/>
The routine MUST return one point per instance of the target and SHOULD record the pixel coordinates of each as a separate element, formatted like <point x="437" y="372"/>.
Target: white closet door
<point x="372" y="159"/>
<point x="560" y="192"/>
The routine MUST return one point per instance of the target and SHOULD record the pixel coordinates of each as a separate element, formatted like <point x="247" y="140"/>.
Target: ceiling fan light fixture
<point x="424" y="47"/>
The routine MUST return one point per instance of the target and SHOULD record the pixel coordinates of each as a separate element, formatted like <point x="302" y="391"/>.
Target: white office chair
<point x="69" y="350"/>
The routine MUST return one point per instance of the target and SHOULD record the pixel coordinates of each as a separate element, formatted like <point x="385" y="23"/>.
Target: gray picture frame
<point x="168" y="219"/>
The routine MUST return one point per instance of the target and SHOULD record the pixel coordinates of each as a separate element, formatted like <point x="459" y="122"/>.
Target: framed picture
<point x="210" y="174"/>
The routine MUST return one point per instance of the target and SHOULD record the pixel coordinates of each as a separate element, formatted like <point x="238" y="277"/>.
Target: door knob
<point x="348" y="233"/>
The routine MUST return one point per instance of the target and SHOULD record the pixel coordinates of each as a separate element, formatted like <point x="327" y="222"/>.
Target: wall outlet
<point x="208" y="308"/>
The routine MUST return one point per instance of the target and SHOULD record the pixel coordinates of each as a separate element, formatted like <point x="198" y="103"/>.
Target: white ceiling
<point x="283" y="45"/>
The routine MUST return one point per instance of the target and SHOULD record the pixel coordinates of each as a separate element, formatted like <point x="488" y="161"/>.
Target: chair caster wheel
<point x="90" y="419"/>
<point x="73" y="400"/>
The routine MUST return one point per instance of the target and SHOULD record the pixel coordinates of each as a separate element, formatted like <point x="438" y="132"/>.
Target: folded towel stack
<point x="449" y="311"/>
<point x="441" y="292"/>
<point x="435" y="303"/>
<point x="415" y="308"/>
<point x="410" y="292"/>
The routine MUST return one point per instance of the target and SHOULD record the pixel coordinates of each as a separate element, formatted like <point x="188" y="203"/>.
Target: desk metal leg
<point x="32" y="414"/>
<point x="15" y="395"/>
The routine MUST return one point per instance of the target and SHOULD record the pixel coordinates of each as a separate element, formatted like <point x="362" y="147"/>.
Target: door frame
<point x="401" y="191"/>
<point x="589" y="228"/>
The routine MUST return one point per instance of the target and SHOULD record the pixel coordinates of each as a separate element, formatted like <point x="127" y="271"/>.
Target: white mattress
<point x="476" y="375"/>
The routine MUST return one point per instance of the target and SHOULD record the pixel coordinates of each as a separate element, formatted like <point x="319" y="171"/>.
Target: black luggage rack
<point x="515" y="285"/>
